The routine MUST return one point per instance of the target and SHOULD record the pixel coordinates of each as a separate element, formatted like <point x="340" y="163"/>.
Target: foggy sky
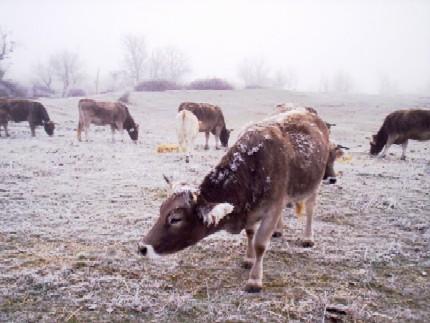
<point x="367" y="39"/>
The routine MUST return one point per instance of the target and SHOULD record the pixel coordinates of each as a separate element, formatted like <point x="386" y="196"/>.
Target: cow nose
<point x="332" y="180"/>
<point x="142" y="248"/>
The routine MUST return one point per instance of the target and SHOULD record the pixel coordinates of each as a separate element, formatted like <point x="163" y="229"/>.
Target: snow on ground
<point x="71" y="215"/>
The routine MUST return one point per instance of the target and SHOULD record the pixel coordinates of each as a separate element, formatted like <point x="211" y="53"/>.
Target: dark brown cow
<point x="211" y="120"/>
<point x="280" y="160"/>
<point x="400" y="126"/>
<point x="19" y="110"/>
<point x="99" y="113"/>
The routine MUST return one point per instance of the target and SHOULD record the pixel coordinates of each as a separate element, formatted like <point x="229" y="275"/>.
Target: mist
<point x="371" y="42"/>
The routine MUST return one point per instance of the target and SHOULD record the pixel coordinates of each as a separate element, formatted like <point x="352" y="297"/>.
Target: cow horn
<point x="168" y="180"/>
<point x="331" y="124"/>
<point x="342" y="147"/>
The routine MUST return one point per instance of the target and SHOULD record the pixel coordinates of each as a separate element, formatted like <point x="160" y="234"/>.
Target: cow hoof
<point x="307" y="243"/>
<point x="253" y="287"/>
<point x="247" y="263"/>
<point x="277" y="234"/>
<point x="403" y="158"/>
<point x="206" y="148"/>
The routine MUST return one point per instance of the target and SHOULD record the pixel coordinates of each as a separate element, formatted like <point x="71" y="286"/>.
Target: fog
<point x="368" y="40"/>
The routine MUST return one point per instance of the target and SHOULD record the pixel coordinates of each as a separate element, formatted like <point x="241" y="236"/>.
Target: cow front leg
<point x="207" y="140"/>
<point x="389" y="142"/>
<point x="404" y="146"/>
<point x="86" y="129"/>
<point x="249" y="258"/>
<point x="261" y="243"/>
<point x="6" y="130"/>
<point x="112" y="129"/>
<point x="308" y="240"/>
<point x="33" y="130"/>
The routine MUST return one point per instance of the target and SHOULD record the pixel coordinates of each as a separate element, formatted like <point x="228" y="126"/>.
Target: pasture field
<point x="71" y="215"/>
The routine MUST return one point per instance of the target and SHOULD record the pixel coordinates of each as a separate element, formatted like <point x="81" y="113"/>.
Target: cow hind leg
<point x="279" y="226"/>
<point x="6" y="130"/>
<point x="308" y="240"/>
<point x="112" y="129"/>
<point x="79" y="131"/>
<point x="404" y="146"/>
<point x="33" y="130"/>
<point x="260" y="243"/>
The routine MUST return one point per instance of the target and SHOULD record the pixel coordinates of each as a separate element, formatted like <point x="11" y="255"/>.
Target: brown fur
<point x="279" y="160"/>
<point x="100" y="113"/>
<point x="211" y="120"/>
<point x="400" y="126"/>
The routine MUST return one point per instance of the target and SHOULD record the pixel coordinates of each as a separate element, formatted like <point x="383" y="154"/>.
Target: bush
<point x="210" y="84"/>
<point x="76" y="92"/>
<point x="156" y="85"/>
<point x="42" y="91"/>
<point x="125" y="98"/>
<point x="9" y="89"/>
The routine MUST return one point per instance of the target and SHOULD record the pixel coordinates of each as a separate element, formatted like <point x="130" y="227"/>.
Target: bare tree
<point x="6" y="49"/>
<point x="135" y="56"/>
<point x="324" y="84"/>
<point x="168" y="63"/>
<point x="44" y="75"/>
<point x="67" y="68"/>
<point x="254" y="73"/>
<point x="285" y="79"/>
<point x="342" y="82"/>
<point x="387" y="86"/>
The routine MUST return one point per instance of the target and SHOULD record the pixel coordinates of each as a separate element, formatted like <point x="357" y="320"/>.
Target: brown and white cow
<point x="400" y="126"/>
<point x="100" y="113"/>
<point x="19" y="110"/>
<point x="289" y="106"/>
<point x="211" y="120"/>
<point x="279" y="160"/>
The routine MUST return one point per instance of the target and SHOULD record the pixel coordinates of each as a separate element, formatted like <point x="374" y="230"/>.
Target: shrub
<point x="125" y="98"/>
<point x="42" y="91"/>
<point x="10" y="89"/>
<point x="156" y="85"/>
<point x="76" y="92"/>
<point x="210" y="84"/>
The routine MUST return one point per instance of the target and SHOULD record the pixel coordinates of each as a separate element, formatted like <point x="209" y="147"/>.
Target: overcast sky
<point x="367" y="39"/>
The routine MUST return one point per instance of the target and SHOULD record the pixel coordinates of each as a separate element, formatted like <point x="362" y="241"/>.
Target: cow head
<point x="225" y="136"/>
<point x="133" y="132"/>
<point x="185" y="218"/>
<point x="49" y="127"/>
<point x="335" y="152"/>
<point x="375" y="145"/>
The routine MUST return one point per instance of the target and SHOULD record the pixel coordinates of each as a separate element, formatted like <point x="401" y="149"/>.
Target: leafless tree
<point x="6" y="49"/>
<point x="387" y="86"/>
<point x="285" y="79"/>
<point x="135" y="56"/>
<point x="342" y="82"/>
<point x="67" y="68"/>
<point x="44" y="75"/>
<point x="254" y="72"/>
<point x="168" y="63"/>
<point x="324" y="84"/>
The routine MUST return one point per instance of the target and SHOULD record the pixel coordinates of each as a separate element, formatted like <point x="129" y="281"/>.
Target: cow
<point x="400" y="126"/>
<point x="187" y="129"/>
<point x="285" y="107"/>
<point x="279" y="160"/>
<point x="19" y="110"/>
<point x="100" y="113"/>
<point x="211" y="120"/>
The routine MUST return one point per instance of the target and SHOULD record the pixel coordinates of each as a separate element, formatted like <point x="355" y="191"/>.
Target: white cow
<point x="187" y="129"/>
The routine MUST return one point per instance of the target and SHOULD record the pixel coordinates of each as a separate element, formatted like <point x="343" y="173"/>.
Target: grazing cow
<point x="211" y="120"/>
<point x="99" y="113"/>
<point x="187" y="129"/>
<point x="400" y="126"/>
<point x="19" y="110"/>
<point x="280" y="160"/>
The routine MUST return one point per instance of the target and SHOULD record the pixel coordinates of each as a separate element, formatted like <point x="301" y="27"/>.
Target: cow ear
<point x="217" y="213"/>
<point x="168" y="180"/>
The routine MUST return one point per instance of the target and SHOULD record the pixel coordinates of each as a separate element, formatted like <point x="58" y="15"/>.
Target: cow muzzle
<point x="330" y="180"/>
<point x="147" y="250"/>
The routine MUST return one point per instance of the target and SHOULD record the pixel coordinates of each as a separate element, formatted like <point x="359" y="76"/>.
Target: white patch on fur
<point x="150" y="253"/>
<point x="217" y="213"/>
<point x="180" y="187"/>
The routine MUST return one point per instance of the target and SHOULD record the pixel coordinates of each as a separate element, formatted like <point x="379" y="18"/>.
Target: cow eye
<point x="175" y="219"/>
